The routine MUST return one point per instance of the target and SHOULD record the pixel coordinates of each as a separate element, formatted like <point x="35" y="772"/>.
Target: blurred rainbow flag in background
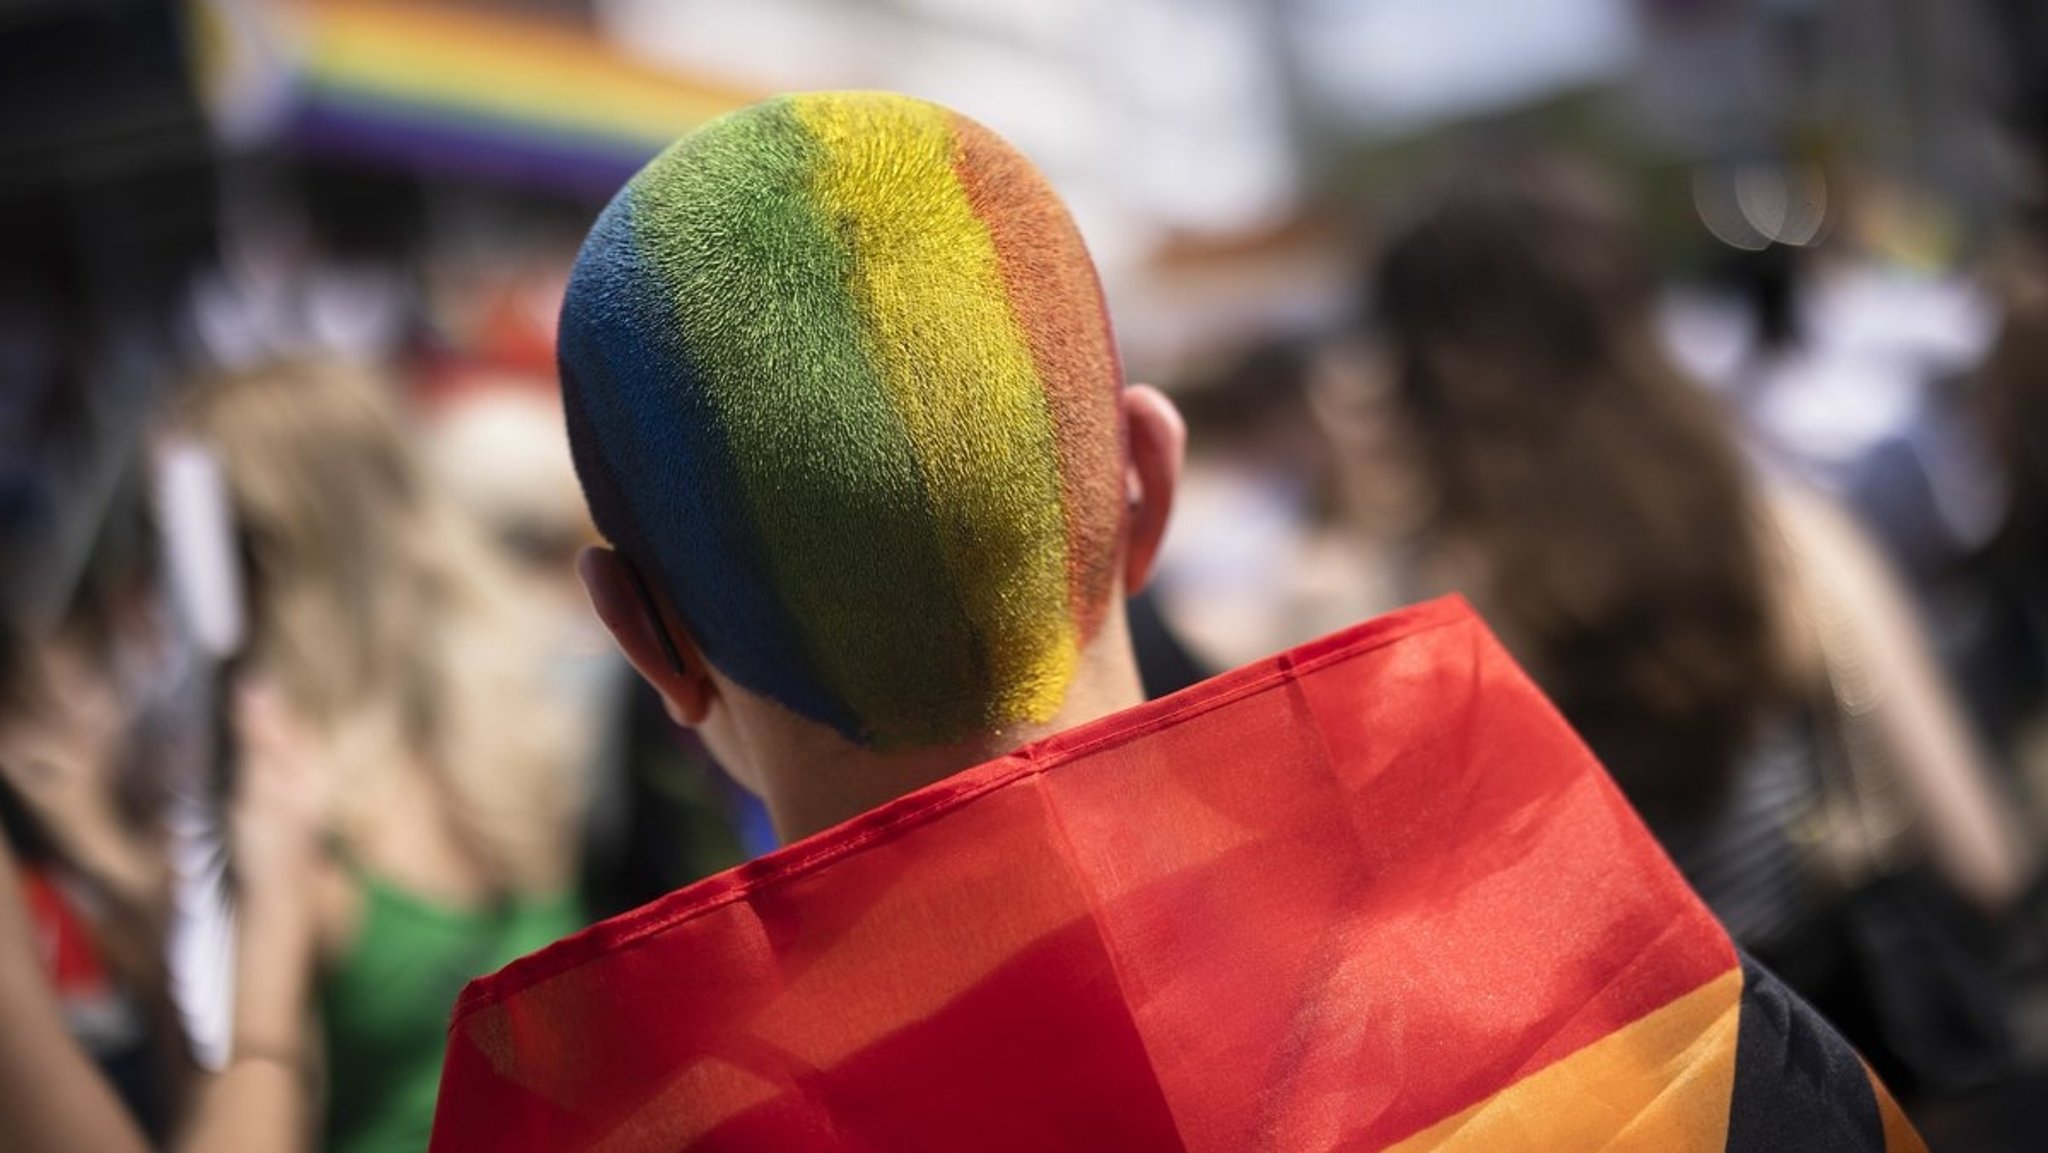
<point x="470" y="92"/>
<point x="1369" y="894"/>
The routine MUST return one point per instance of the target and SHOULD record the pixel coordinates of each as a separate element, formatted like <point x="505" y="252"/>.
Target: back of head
<point x="1598" y="489"/>
<point x="839" y="379"/>
<point x="1523" y="259"/>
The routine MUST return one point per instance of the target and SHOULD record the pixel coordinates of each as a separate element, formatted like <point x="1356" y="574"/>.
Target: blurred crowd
<point x="1817" y="676"/>
<point x="304" y="720"/>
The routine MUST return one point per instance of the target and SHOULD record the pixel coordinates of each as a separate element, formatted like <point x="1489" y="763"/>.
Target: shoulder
<point x="1829" y="557"/>
<point x="1822" y="566"/>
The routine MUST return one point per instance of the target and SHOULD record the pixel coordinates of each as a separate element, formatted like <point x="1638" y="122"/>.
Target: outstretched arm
<point x="1970" y="833"/>
<point x="52" y="1097"/>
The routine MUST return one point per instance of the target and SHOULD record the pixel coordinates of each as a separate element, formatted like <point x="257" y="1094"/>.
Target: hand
<point x="51" y="1096"/>
<point x="278" y="824"/>
<point x="61" y="757"/>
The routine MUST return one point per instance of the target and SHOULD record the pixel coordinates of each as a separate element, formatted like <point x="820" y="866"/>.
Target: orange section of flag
<point x="1660" y="1082"/>
<point x="1899" y="1134"/>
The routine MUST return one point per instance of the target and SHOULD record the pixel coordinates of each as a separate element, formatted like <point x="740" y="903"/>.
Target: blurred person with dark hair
<point x="2012" y="407"/>
<point x="93" y="859"/>
<point x="81" y="919"/>
<point x="1959" y="497"/>
<point x="1731" y="648"/>
<point x="405" y="689"/>
<point x="85" y="912"/>
<point x="54" y="1096"/>
<point x="78" y="794"/>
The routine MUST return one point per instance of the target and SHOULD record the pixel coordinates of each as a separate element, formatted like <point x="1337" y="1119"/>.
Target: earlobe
<point x="657" y="647"/>
<point x="1158" y="441"/>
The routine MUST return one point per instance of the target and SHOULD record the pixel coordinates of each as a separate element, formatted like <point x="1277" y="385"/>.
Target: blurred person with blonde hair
<point x="399" y="676"/>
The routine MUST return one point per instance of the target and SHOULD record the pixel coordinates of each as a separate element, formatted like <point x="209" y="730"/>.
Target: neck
<point x="816" y="780"/>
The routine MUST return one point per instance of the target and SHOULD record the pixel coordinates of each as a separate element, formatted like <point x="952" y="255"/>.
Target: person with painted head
<point x="846" y="404"/>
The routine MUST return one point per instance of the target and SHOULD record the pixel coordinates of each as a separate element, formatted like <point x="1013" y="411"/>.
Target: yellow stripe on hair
<point x="960" y="374"/>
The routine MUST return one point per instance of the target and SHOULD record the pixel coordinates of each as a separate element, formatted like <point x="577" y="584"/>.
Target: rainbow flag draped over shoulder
<point x="1369" y="894"/>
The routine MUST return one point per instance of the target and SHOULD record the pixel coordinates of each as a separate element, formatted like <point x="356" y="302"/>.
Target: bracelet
<point x="284" y="1057"/>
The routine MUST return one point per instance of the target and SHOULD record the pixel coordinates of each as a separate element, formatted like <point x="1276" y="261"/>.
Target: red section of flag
<point x="1325" y="901"/>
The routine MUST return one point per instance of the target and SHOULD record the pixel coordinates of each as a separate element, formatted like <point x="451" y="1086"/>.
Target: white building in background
<point x="1153" y="117"/>
<point x="1376" y="68"/>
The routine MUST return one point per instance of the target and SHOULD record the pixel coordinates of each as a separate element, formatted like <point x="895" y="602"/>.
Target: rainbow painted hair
<point x="838" y="372"/>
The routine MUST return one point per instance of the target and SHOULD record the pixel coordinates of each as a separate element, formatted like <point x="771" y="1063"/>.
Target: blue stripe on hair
<point x="660" y="477"/>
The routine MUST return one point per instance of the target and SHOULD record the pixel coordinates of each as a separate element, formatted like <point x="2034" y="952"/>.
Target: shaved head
<point x="840" y="381"/>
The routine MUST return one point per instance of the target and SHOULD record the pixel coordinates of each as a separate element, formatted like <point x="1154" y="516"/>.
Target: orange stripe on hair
<point x="1053" y="292"/>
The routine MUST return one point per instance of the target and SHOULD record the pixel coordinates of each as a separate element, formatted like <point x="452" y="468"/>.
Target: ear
<point x="1158" y="441"/>
<point x="647" y="632"/>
